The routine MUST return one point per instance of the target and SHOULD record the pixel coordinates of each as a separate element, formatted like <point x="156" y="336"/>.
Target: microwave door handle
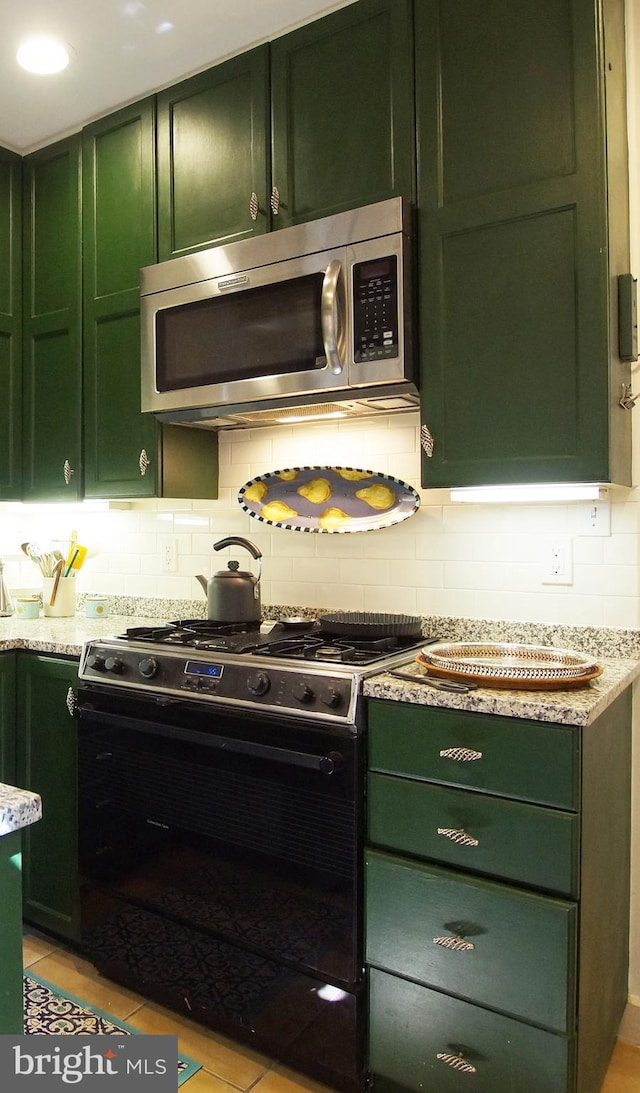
<point x="330" y="307"/>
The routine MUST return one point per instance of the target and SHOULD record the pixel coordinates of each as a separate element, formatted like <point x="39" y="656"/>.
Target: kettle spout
<point x="203" y="581"/>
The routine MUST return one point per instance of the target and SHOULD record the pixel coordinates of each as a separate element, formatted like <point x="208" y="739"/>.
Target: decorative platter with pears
<point x="333" y="500"/>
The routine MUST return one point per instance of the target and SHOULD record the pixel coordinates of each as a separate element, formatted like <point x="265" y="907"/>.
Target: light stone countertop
<point x="18" y="808"/>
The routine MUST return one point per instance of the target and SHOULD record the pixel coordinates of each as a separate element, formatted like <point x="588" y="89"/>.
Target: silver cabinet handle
<point x="456" y="1062"/>
<point x="461" y="755"/>
<point x="427" y="442"/>
<point x="275" y="201"/>
<point x="143" y="462"/>
<point x="67" y="472"/>
<point x="331" y="306"/>
<point x="254" y="208"/>
<point x="455" y="943"/>
<point x="72" y="702"/>
<point x="458" y="835"/>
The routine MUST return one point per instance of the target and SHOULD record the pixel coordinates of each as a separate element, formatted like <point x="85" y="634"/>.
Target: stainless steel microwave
<point x="275" y="327"/>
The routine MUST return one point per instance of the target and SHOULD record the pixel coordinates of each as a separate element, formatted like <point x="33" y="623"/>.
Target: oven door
<point x="220" y="873"/>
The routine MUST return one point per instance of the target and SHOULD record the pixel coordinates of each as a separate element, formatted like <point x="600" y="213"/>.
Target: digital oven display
<point x="198" y="668"/>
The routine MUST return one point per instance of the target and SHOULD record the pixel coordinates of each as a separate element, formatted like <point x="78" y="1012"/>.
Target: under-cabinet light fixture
<point x="533" y="492"/>
<point x="43" y="56"/>
<point x="296" y="419"/>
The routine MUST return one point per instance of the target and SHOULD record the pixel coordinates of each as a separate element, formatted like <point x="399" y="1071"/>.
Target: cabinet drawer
<point x="411" y="1026"/>
<point x="522" y="955"/>
<point x="509" y="839"/>
<point x="530" y="760"/>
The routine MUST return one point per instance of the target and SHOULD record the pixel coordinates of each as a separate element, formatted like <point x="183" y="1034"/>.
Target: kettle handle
<point x="236" y="540"/>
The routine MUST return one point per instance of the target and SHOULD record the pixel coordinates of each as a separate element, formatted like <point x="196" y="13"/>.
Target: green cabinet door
<point x="10" y="326"/>
<point x="127" y="453"/>
<point x="520" y="376"/>
<point x="8" y="718"/>
<point x="46" y="747"/>
<point x="51" y="323"/>
<point x="213" y="168"/>
<point x="11" y="1004"/>
<point x="343" y="111"/>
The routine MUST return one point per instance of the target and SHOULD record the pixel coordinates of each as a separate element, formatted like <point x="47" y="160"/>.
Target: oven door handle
<point x="325" y="764"/>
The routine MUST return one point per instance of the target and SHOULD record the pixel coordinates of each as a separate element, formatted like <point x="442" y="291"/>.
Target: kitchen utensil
<point x="233" y="595"/>
<point x="438" y="684"/>
<point x="57" y="573"/>
<point x="75" y="559"/>
<point x="509" y="665"/>
<point x="355" y="624"/>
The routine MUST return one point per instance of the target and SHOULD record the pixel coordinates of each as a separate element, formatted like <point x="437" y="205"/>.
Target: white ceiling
<point x="120" y="52"/>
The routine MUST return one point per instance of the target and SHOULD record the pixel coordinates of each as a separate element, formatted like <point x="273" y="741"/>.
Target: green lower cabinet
<point x="8" y="718"/>
<point x="429" y="1042"/>
<point x="501" y="947"/>
<point x="47" y="765"/>
<point x="10" y="325"/>
<point x="11" y="1020"/>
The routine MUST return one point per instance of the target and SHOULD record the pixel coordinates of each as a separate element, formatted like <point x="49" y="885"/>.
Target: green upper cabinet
<point x="343" y="111"/>
<point x="51" y="323"/>
<point x="213" y="167"/>
<point x="289" y="132"/>
<point x="10" y="325"/>
<point x="126" y="453"/>
<point x="517" y="249"/>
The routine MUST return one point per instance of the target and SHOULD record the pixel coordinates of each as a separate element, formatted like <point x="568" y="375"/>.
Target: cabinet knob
<point x="458" y="835"/>
<point x="455" y="943"/>
<point x="254" y="207"/>
<point x="275" y="201"/>
<point x="72" y="702"/>
<point x="143" y="462"/>
<point x="67" y="472"/>
<point x="427" y="442"/>
<point x="456" y="1062"/>
<point x="461" y="755"/>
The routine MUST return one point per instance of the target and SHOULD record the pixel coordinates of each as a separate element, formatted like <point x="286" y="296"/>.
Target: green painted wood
<point x="47" y="764"/>
<point x="52" y="322"/>
<point x="119" y="237"/>
<point x="411" y="1025"/>
<point x="523" y="960"/>
<point x="530" y="760"/>
<point x="343" y="111"/>
<point x="10" y="326"/>
<point x="8" y="718"/>
<point x="11" y="1005"/>
<point x="515" y="330"/>
<point x="212" y="155"/>
<point x="515" y="841"/>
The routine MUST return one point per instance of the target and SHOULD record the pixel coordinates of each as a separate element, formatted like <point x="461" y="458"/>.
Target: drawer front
<point x="508" y="756"/>
<point x="410" y="1026"/>
<point x="487" y="943"/>
<point x="508" y="839"/>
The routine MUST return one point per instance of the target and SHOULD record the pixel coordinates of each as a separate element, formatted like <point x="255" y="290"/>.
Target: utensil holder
<point x="64" y="604"/>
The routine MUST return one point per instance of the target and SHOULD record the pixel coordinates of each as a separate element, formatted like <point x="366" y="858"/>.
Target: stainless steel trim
<point x="331" y="311"/>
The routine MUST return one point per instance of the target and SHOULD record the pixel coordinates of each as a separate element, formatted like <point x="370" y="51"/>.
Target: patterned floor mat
<point x="49" y="1010"/>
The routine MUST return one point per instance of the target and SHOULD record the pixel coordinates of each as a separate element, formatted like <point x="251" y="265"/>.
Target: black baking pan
<point x="362" y="624"/>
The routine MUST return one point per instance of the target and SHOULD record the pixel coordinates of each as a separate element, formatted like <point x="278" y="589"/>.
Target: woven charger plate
<point x="509" y="665"/>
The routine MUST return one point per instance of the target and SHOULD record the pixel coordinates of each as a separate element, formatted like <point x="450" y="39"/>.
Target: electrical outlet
<point x="168" y="554"/>
<point x="558" y="565"/>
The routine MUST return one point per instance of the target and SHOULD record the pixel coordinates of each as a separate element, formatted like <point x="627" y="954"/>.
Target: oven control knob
<point x="148" y="667"/>
<point x="258" y="683"/>
<point x="302" y="691"/>
<point x="114" y="664"/>
<point x="331" y="763"/>
<point x="96" y="662"/>
<point x="331" y="698"/>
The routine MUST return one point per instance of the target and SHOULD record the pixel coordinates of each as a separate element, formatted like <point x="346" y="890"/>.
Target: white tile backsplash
<point x="478" y="561"/>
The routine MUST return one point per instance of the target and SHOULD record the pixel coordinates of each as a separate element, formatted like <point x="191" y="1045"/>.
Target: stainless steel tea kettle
<point x="233" y="595"/>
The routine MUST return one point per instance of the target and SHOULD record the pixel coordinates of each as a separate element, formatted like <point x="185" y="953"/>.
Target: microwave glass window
<point x="375" y="306"/>
<point x="264" y="331"/>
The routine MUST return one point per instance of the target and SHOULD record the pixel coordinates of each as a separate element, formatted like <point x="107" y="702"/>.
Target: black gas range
<point x="302" y="669"/>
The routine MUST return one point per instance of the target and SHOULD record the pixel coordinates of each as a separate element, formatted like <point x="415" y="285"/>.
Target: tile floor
<point x="226" y="1067"/>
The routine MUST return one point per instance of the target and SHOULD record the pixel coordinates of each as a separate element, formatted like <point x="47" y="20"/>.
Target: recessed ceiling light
<point x="44" y="56"/>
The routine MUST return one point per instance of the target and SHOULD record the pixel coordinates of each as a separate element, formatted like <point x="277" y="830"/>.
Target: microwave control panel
<point x="375" y="309"/>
